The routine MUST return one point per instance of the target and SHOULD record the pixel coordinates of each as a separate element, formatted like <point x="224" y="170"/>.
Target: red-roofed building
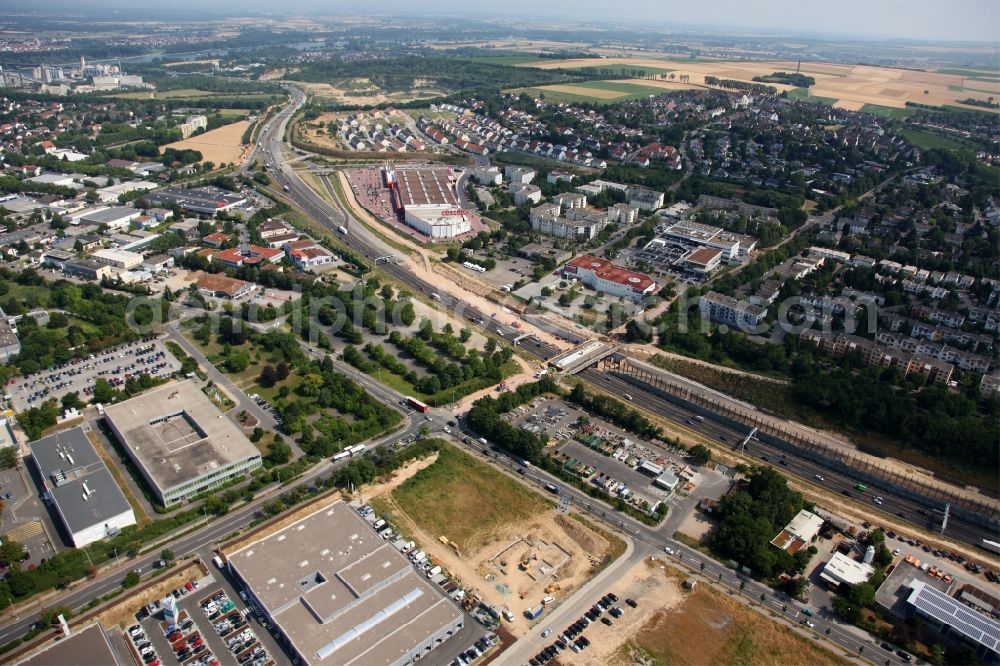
<point x="216" y="239"/>
<point x="605" y="277"/>
<point x="268" y="254"/>
<point x="311" y="257"/>
<point x="231" y="257"/>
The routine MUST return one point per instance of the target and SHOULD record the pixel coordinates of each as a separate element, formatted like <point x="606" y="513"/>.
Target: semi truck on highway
<point x="552" y="488"/>
<point x="416" y="404"/>
<point x="342" y="229"/>
<point x="991" y="546"/>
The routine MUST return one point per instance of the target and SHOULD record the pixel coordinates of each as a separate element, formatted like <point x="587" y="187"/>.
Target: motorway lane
<point x="804" y="469"/>
<point x="319" y="209"/>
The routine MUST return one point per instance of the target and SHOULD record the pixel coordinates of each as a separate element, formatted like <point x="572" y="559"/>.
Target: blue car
<point x="8" y="496"/>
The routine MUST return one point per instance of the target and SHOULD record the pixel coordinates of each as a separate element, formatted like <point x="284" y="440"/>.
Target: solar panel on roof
<point x="946" y="610"/>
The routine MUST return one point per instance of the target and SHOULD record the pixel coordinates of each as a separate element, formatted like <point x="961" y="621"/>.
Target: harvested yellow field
<point x="220" y="145"/>
<point x="848" y="105"/>
<point x="852" y="85"/>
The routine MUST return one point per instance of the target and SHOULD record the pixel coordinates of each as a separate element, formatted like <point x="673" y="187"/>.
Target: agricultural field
<point x="220" y="145"/>
<point x="495" y="534"/>
<point x="728" y="633"/>
<point x="888" y="112"/>
<point x="598" y="92"/>
<point x="848" y="85"/>
<point x="926" y="140"/>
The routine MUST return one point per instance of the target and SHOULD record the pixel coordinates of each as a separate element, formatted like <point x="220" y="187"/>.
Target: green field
<point x="802" y="95"/>
<point x="985" y="74"/>
<point x="929" y="140"/>
<point x="888" y="111"/>
<point x="465" y="500"/>
<point x="620" y="71"/>
<point x="628" y="91"/>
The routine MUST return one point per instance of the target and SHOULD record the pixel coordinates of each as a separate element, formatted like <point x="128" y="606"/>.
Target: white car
<point x="878" y="500"/>
<point x="668" y="550"/>
<point x="546" y="633"/>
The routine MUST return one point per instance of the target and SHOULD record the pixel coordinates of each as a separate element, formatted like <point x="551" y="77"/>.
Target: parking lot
<point x="213" y="626"/>
<point x="117" y="365"/>
<point x="24" y="517"/>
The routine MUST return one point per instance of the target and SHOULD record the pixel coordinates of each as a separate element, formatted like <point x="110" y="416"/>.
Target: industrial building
<point x="426" y="199"/>
<point x="180" y="442"/>
<point x="703" y="261"/>
<point x="605" y="277"/>
<point x="114" y="218"/>
<point x="204" y="200"/>
<point x="79" y="486"/>
<point x="842" y="570"/>
<point x="86" y="646"/>
<point x="221" y="286"/>
<point x="87" y="269"/>
<point x="340" y="594"/>
<point x="10" y="346"/>
<point x="118" y="258"/>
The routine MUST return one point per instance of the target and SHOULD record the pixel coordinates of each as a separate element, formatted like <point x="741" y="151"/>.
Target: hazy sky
<point x="966" y="20"/>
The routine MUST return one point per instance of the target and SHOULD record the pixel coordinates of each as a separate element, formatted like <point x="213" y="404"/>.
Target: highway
<point x="894" y="506"/>
<point x="360" y="240"/>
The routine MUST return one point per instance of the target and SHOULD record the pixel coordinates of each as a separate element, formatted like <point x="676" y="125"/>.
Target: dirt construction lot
<point x="704" y="626"/>
<point x="851" y="86"/>
<point x="493" y="534"/>
<point x="220" y="145"/>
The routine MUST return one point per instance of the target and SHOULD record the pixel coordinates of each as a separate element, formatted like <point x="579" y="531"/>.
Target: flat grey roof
<point x="177" y="434"/>
<point x="340" y="593"/>
<point x="109" y="215"/>
<point x="67" y="461"/>
<point x="85" y="647"/>
<point x="7" y="336"/>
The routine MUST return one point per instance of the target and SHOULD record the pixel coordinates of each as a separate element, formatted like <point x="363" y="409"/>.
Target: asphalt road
<point x="657" y="539"/>
<point x="360" y="240"/>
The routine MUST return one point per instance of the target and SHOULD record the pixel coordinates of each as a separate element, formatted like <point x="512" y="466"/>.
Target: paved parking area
<point x="148" y="356"/>
<point x="25" y="519"/>
<point x="203" y="631"/>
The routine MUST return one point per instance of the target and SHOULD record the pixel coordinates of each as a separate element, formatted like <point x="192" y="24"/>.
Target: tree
<point x="268" y="376"/>
<point x="11" y="552"/>
<point x="237" y="360"/>
<point x="103" y="391"/>
<point x="279" y="452"/>
<point x="167" y="554"/>
<point x="131" y="580"/>
<point x="701" y="454"/>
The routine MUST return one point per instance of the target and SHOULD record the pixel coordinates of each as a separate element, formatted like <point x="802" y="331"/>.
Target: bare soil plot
<point x="220" y="145"/>
<point x="851" y="85"/>
<point x="710" y="627"/>
<point x="493" y="534"/>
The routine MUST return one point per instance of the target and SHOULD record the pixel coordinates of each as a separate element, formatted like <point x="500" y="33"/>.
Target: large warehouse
<point x="342" y="595"/>
<point x="180" y="441"/>
<point x="205" y="200"/>
<point x="77" y="483"/>
<point x="426" y="198"/>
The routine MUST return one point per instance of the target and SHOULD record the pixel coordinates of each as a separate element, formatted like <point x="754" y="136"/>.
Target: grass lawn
<point x="888" y="111"/>
<point x="928" y="140"/>
<point x="802" y="94"/>
<point x="627" y="91"/>
<point x="466" y="500"/>
<point x="984" y="74"/>
<point x="727" y="633"/>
